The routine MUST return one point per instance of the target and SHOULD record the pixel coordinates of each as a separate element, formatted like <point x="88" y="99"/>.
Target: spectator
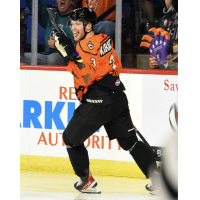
<point x="171" y="61"/>
<point x="61" y="11"/>
<point x="105" y="11"/>
<point x="170" y="20"/>
<point x="23" y="37"/>
<point x="105" y="20"/>
<point x="147" y="7"/>
<point x="150" y="8"/>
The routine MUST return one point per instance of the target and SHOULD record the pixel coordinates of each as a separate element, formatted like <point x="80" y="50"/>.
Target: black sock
<point x="79" y="159"/>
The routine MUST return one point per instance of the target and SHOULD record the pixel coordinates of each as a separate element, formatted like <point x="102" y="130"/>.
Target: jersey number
<point x="93" y="61"/>
<point x="112" y="61"/>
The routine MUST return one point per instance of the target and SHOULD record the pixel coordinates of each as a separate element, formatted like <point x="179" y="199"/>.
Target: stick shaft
<point x="144" y="140"/>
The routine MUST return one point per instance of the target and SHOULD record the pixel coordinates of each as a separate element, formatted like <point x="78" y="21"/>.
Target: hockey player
<point x="96" y="68"/>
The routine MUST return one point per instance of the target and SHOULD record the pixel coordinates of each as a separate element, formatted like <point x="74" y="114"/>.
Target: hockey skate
<point x="152" y="186"/>
<point x="87" y="184"/>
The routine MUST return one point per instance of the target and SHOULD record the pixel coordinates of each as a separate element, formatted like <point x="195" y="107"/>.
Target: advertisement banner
<point x="48" y="100"/>
<point x="160" y="95"/>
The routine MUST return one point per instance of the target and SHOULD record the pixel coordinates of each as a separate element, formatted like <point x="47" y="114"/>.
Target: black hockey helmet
<point x="84" y="14"/>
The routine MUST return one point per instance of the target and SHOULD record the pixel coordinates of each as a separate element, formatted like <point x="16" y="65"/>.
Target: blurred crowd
<point x="138" y="16"/>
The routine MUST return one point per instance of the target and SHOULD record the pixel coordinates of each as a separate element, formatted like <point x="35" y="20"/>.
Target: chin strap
<point x="84" y="24"/>
<point x="86" y="34"/>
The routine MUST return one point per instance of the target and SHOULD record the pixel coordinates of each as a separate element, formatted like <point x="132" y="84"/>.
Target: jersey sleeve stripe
<point x="104" y="39"/>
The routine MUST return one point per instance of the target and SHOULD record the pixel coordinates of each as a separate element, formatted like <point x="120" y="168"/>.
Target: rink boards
<point x="47" y="102"/>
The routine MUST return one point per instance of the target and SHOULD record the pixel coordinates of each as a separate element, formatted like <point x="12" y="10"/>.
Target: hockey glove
<point x="66" y="48"/>
<point x="157" y="44"/>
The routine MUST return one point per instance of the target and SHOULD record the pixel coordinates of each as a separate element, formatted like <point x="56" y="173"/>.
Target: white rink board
<point x="40" y="93"/>
<point x="159" y="93"/>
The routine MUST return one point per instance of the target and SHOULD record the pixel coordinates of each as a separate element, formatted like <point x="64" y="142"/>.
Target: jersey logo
<point x="92" y="4"/>
<point x="94" y="101"/>
<point x="117" y="82"/>
<point x="106" y="47"/>
<point x="90" y="45"/>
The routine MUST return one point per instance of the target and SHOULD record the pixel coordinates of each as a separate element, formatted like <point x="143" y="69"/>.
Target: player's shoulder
<point x="94" y="43"/>
<point x="90" y="45"/>
<point x="106" y="45"/>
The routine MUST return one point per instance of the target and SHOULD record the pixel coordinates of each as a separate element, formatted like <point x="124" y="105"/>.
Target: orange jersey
<point x="100" y="7"/>
<point x="98" y="58"/>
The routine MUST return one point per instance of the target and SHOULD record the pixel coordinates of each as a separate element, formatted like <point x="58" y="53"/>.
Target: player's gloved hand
<point x="157" y="44"/>
<point x="66" y="48"/>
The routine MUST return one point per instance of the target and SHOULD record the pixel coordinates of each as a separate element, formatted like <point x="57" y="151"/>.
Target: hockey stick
<point x="53" y="19"/>
<point x="143" y="139"/>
